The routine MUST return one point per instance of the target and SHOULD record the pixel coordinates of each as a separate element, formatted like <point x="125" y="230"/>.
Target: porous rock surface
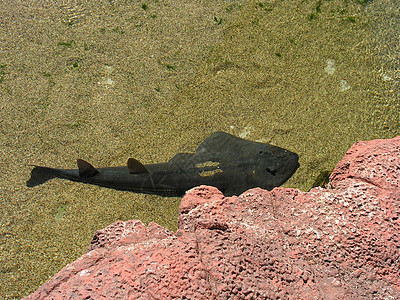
<point x="336" y="243"/>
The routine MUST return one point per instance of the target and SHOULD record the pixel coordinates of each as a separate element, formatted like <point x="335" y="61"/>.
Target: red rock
<point x="337" y="243"/>
<point x="376" y="162"/>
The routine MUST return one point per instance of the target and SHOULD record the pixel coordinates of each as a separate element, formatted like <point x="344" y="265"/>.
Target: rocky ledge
<point x="337" y="243"/>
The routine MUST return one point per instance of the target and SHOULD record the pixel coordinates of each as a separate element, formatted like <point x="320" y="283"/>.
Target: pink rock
<point x="337" y="243"/>
<point x="376" y="162"/>
<point x="198" y="196"/>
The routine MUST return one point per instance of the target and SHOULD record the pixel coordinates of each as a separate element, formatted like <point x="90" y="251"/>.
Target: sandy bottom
<point x="108" y="80"/>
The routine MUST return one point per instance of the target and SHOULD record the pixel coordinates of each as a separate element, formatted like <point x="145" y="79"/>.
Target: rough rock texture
<point x="336" y="243"/>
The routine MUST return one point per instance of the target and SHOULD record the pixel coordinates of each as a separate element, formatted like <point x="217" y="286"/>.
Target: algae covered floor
<point x="108" y="80"/>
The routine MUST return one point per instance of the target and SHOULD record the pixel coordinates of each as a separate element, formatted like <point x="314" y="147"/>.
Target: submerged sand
<point x="108" y="80"/>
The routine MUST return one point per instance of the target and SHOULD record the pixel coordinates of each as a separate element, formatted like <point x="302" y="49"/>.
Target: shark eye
<point x="271" y="171"/>
<point x="261" y="152"/>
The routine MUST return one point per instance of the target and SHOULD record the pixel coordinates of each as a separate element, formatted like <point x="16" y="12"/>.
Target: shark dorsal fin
<point x="136" y="167"/>
<point x="86" y="170"/>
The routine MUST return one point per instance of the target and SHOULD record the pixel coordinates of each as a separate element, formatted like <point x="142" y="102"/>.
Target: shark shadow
<point x="231" y="164"/>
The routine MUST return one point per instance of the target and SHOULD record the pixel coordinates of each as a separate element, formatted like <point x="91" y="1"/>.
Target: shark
<point x="229" y="163"/>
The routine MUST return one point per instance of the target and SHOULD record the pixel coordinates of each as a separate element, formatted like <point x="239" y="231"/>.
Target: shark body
<point x="229" y="163"/>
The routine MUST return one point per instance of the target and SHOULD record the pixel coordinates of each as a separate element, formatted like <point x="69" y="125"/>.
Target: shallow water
<point x="108" y="80"/>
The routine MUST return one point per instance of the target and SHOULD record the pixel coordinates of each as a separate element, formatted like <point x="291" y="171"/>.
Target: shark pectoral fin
<point x="136" y="167"/>
<point x="86" y="170"/>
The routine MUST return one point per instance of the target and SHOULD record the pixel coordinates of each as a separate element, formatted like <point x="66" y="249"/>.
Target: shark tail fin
<point x="86" y="170"/>
<point x="136" y="167"/>
<point x="40" y="175"/>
